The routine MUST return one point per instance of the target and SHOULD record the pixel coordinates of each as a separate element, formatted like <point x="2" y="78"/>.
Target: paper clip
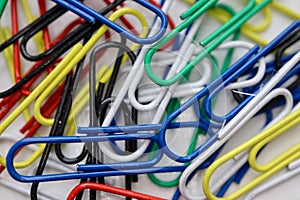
<point x="91" y="16"/>
<point x="135" y="73"/>
<point x="25" y="191"/>
<point x="276" y="65"/>
<point x="59" y="124"/>
<point x="32" y="130"/>
<point x="230" y="128"/>
<point x="2" y="6"/>
<point x="220" y="142"/>
<point x="255" y="144"/>
<point x="230" y="175"/>
<point x="189" y="103"/>
<point x="89" y="44"/>
<point x="78" y="175"/>
<point x="135" y="166"/>
<point x="32" y="126"/>
<point x="70" y="40"/>
<point x="57" y="51"/>
<point x="288" y="42"/>
<point x="140" y="128"/>
<point x="89" y="171"/>
<point x="105" y="98"/>
<point x="208" y="49"/>
<point x="223" y="12"/>
<point x="155" y="121"/>
<point x="234" y="173"/>
<point x="94" y="112"/>
<point x="293" y="170"/>
<point x="16" y="57"/>
<point x="75" y="175"/>
<point x="285" y="10"/>
<point x="164" y="125"/>
<point x="66" y="66"/>
<point x="110" y="189"/>
<point x="219" y="129"/>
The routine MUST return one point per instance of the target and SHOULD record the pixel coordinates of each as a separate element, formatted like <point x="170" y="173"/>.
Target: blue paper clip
<point x="91" y="15"/>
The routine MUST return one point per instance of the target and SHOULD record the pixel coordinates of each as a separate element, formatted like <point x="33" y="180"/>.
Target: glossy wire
<point x="195" y="13"/>
<point x="96" y="95"/>
<point x="292" y="172"/>
<point x="241" y="84"/>
<point x="68" y="103"/>
<point x="194" y="153"/>
<point x="2" y="6"/>
<point x="110" y="189"/>
<point x="255" y="144"/>
<point x="15" y="97"/>
<point x="185" y="106"/>
<point x="47" y="110"/>
<point x="72" y="38"/>
<point x="287" y="42"/>
<point x="216" y="145"/>
<point x="224" y="68"/>
<point x="93" y="147"/>
<point x="56" y="126"/>
<point x="186" y="51"/>
<point x="69" y="42"/>
<point x="92" y="16"/>
<point x="131" y="76"/>
<point x="42" y="194"/>
<point x="228" y="131"/>
<point x="140" y="151"/>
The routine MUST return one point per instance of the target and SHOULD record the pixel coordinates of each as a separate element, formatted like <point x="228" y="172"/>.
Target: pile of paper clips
<point x="148" y="99"/>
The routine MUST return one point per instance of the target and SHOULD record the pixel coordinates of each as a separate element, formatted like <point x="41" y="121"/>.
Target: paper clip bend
<point x="200" y="56"/>
<point x="95" y="170"/>
<point x="71" y="39"/>
<point x="110" y="189"/>
<point x="219" y="142"/>
<point x="2" y="6"/>
<point x="161" y="128"/>
<point x="292" y="172"/>
<point x="65" y="66"/>
<point x="231" y="127"/>
<point x="110" y="170"/>
<point x="91" y="16"/>
<point x="275" y="165"/>
<point x="37" y="25"/>
<point x="61" y="47"/>
<point x="236" y="69"/>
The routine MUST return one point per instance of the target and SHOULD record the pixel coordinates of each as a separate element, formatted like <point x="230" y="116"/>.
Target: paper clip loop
<point x="110" y="189"/>
<point x="2" y="6"/>
<point x="292" y="172"/>
<point x="209" y="49"/>
<point x="91" y="16"/>
<point x="255" y="144"/>
<point x="233" y="125"/>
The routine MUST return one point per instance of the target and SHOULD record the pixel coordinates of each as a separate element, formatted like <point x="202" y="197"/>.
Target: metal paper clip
<point x="110" y="189"/>
<point x="255" y="144"/>
<point x="91" y="16"/>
